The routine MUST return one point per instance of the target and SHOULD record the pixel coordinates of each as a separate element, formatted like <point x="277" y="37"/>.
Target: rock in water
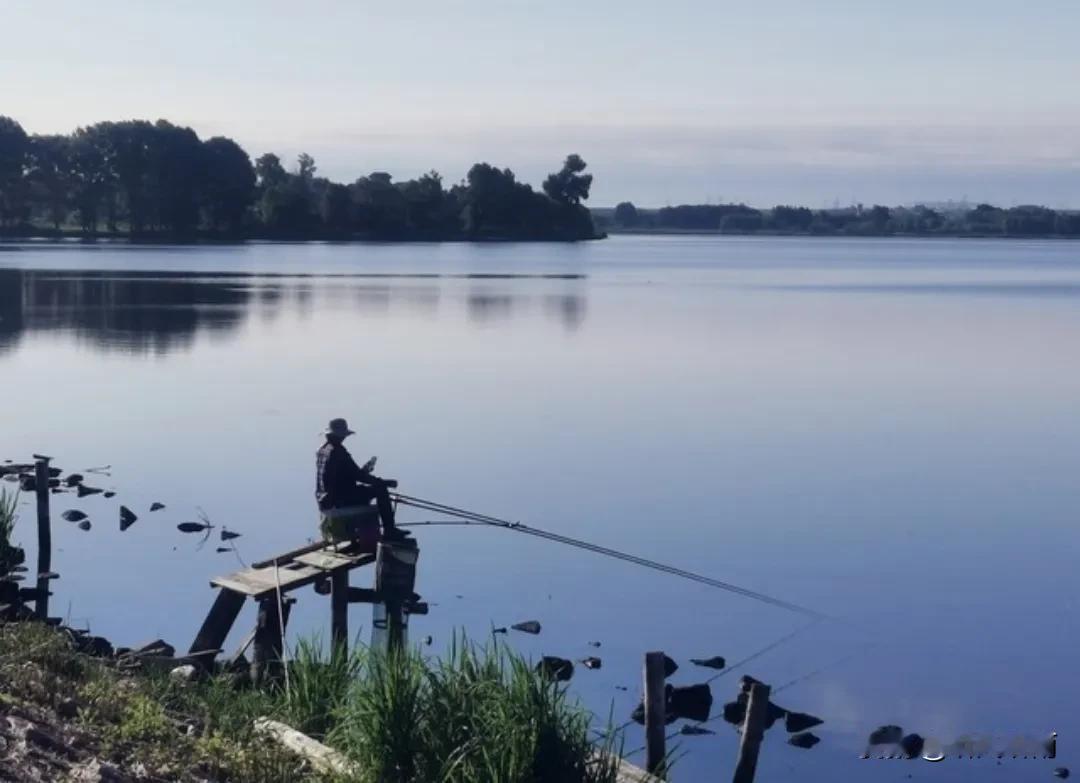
<point x="886" y="735"/>
<point x="84" y="490"/>
<point x="127" y="518"/>
<point x="592" y="663"/>
<point x="716" y="662"/>
<point x="693" y="702"/>
<point x="192" y="527"/>
<point x="558" y="669"/>
<point x="110" y="494"/>
<point x="670" y="667"/>
<point x="800" y="721"/>
<point x="529" y="626"/>
<point x="228" y="535"/>
<point x="690" y="730"/>
<point x="74" y="479"/>
<point x="735" y="711"/>
<point x="73" y="515"/>
<point x="912" y="745"/>
<point x="1061" y="772"/>
<point x="221" y="549"/>
<point x="805" y="740"/>
<point x="156" y="506"/>
<point x="84" y="525"/>
<point x="499" y="630"/>
<point x="594" y="644"/>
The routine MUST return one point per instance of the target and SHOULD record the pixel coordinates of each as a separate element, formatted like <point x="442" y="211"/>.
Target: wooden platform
<point x="295" y="572"/>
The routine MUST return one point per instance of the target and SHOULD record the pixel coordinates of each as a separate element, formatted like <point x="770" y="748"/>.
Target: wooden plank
<point x="218" y="623"/>
<point x="44" y="528"/>
<point x="258" y="582"/>
<point x="322" y="758"/>
<point x="339" y="609"/>
<point x="753" y="731"/>
<point x="655" y="713"/>
<point x="327" y="560"/>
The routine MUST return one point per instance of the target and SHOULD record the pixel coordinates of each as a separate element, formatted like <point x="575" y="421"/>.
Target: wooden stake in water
<point x="655" y="713"/>
<point x="44" y="525"/>
<point x="753" y="731"/>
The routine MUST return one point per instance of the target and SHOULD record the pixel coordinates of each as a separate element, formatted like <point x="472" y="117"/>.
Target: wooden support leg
<point x="217" y="625"/>
<point x="339" y="609"/>
<point x="655" y="713"/>
<point x="267" y="663"/>
<point x="395" y="621"/>
<point x="753" y="731"/>
<point x="44" y="560"/>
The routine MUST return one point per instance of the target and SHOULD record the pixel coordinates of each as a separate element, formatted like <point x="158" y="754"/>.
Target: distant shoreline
<point x="615" y="231"/>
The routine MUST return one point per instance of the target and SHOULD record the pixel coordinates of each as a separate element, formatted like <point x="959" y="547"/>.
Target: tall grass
<point x="479" y="714"/>
<point x="8" y="503"/>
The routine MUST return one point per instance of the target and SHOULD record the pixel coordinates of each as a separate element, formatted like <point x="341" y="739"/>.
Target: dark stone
<point x="499" y="630"/>
<point x="800" y="721"/>
<point x="735" y="711"/>
<point x="592" y="663"/>
<point x="773" y="714"/>
<point x="670" y="667"/>
<point x="806" y="740"/>
<point x="73" y="515"/>
<point x="127" y="518"/>
<point x="155" y="506"/>
<point x="912" y="745"/>
<point x="690" y="730"/>
<point x="638" y="715"/>
<point x="746" y="681"/>
<point x="67" y="708"/>
<point x="594" y="644"/>
<point x="529" y="626"/>
<point x="85" y="525"/>
<point x="1061" y="772"/>
<point x="83" y="490"/>
<point x="228" y="535"/>
<point x="110" y="494"/>
<point x="716" y="662"/>
<point x="27" y="484"/>
<point x="74" y="479"/>
<point x="558" y="669"/>
<point x="886" y="735"/>
<point x="55" y="472"/>
<point x="693" y="702"/>
<point x="96" y="646"/>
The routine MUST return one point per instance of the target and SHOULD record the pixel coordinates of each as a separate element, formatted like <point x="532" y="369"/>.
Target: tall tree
<point x="14" y="146"/>
<point x="228" y="189"/>
<point x="49" y="174"/>
<point x="569" y="185"/>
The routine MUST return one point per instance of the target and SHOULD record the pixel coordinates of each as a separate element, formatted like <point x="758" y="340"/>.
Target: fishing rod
<point x="472" y="517"/>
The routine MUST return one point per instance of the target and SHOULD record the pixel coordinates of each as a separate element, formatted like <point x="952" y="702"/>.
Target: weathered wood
<point x="339" y="608"/>
<point x="753" y="731"/>
<point x="322" y="758"/>
<point x="655" y="713"/>
<point x="44" y="527"/>
<point x="260" y="582"/>
<point x="288" y="557"/>
<point x="267" y="663"/>
<point x="218" y="623"/>
<point x="364" y="595"/>
<point x="326" y="561"/>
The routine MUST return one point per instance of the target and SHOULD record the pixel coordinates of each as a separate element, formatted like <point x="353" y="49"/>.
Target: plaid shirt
<point x="337" y="477"/>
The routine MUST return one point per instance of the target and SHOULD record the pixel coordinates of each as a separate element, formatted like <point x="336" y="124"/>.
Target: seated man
<point x="341" y="486"/>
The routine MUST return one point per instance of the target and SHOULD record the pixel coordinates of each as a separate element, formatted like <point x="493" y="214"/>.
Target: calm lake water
<point x="885" y="431"/>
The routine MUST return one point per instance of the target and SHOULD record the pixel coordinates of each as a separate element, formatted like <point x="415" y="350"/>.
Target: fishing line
<point x="505" y="524"/>
<point x="762" y="651"/>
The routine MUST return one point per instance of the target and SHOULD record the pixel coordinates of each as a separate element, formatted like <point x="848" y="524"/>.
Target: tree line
<point x="982" y="220"/>
<point x="159" y="180"/>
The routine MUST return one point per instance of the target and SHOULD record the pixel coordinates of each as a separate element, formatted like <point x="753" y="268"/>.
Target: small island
<point x="156" y="181"/>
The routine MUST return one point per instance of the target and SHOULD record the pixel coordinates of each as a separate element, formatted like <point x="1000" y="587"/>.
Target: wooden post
<point x="655" y="713"/>
<point x="753" y="731"/>
<point x="218" y="623"/>
<point x="395" y="622"/>
<point x="44" y="558"/>
<point x="339" y="609"/>
<point x="268" y="650"/>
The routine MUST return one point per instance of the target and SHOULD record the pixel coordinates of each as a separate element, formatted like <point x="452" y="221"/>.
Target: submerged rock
<point x="1061" y="772"/>
<point x="693" y="702"/>
<point x="716" y="662"/>
<point x="912" y="745"/>
<point x="529" y="626"/>
<point x="127" y="518"/>
<point x="690" y="730"/>
<point x="73" y="515"/>
<point x="806" y="740"/>
<point x="155" y="506"/>
<point x="670" y="667"/>
<point x="84" y="490"/>
<point x="594" y="644"/>
<point x="84" y="525"/>
<point x="228" y="535"/>
<point x="192" y="527"/>
<point x="74" y="479"/>
<point x="592" y="663"/>
<point x="886" y="735"/>
<point x="558" y="669"/>
<point x="110" y="494"/>
<point x="799" y="721"/>
<point x="499" y="630"/>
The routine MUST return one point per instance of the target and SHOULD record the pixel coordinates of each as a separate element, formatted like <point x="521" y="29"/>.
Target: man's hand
<point x="391" y="483"/>
<point x="369" y="465"/>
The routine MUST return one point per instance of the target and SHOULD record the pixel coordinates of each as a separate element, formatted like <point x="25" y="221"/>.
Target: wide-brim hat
<point x="338" y="427"/>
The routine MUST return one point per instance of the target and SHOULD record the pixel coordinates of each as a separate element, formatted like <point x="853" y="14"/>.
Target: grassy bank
<point x="473" y="715"/>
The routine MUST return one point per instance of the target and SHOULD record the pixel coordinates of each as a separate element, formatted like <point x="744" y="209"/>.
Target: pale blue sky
<point x="786" y="100"/>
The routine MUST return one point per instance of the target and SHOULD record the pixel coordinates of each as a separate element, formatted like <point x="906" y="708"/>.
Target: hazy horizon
<point x="693" y="102"/>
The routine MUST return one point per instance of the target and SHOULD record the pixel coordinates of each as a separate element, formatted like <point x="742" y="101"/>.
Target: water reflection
<point x="157" y="313"/>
